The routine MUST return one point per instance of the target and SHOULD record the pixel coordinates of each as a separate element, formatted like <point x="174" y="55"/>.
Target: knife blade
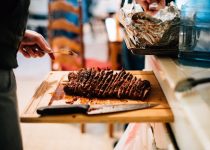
<point x="91" y="110"/>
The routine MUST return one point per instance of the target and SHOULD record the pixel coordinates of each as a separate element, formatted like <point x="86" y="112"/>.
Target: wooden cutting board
<point x="50" y="92"/>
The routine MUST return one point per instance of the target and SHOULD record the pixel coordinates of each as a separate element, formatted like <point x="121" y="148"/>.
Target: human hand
<point x="151" y="10"/>
<point x="34" y="45"/>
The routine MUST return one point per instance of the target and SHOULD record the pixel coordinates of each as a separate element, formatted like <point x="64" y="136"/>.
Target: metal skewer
<point x="65" y="52"/>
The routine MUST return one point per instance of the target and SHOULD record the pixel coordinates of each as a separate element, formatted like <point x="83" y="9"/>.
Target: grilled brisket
<point x="104" y="83"/>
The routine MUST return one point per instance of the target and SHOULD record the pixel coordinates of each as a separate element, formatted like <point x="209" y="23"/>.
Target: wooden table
<point x="43" y="97"/>
<point x="115" y="38"/>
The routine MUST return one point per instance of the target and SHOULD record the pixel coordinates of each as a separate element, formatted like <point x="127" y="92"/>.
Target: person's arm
<point x="146" y="3"/>
<point x="34" y="45"/>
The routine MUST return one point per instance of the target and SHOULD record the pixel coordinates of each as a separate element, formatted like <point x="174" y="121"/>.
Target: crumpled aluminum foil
<point x="147" y="31"/>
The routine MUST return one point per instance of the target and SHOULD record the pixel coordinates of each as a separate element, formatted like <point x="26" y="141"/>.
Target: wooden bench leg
<point x="82" y="128"/>
<point x="111" y="129"/>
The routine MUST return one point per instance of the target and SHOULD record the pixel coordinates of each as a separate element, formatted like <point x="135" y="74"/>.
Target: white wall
<point x="39" y="7"/>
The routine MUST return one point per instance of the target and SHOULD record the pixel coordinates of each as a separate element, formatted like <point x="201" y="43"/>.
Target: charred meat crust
<point x="105" y="83"/>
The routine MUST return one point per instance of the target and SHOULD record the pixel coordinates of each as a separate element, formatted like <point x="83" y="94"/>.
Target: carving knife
<point x="91" y="110"/>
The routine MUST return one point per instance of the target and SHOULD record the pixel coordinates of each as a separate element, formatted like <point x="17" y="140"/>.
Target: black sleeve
<point x="7" y="7"/>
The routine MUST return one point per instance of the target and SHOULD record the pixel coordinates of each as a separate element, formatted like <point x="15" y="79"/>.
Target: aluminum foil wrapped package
<point x="152" y="32"/>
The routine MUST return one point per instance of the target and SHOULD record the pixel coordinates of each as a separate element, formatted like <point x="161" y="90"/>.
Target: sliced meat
<point x="105" y="83"/>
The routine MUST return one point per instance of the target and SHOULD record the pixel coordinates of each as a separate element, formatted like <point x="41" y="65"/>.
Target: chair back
<point x="65" y="33"/>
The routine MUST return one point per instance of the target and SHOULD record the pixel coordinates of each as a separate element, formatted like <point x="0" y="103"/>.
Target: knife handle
<point x="63" y="109"/>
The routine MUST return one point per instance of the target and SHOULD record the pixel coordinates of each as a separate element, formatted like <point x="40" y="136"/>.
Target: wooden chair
<point x="66" y="62"/>
<point x="62" y="24"/>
